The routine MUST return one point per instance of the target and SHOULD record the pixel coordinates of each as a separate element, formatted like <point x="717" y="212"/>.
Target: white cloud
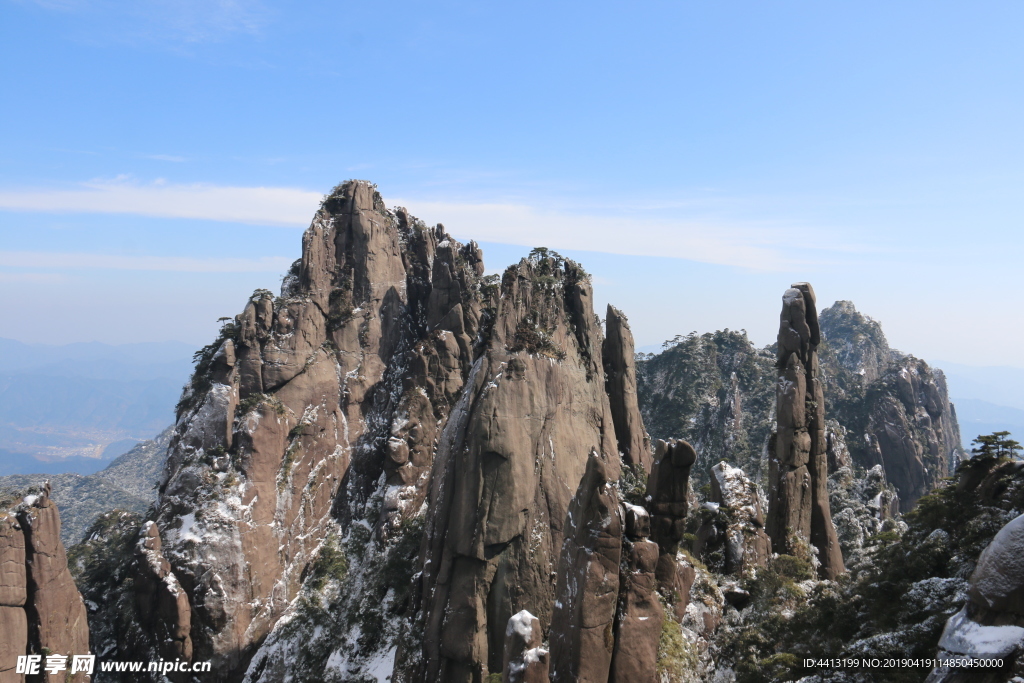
<point x="71" y="261"/>
<point x="36" y="278"/>
<point x="745" y="246"/>
<point x="166" y="157"/>
<point x="256" y="205"/>
<point x="755" y="246"/>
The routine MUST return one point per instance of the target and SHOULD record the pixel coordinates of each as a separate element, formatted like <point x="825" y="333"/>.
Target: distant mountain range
<point x="128" y="483"/>
<point x="74" y="408"/>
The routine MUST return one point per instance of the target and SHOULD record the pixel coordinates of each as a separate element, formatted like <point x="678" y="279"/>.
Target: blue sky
<point x="160" y="157"/>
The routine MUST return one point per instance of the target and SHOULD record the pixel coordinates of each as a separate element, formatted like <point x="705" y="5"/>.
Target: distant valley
<point x="77" y="407"/>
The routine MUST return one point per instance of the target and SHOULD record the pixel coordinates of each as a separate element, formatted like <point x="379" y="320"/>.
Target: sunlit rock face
<point x="391" y="398"/>
<point x="306" y="404"/>
<point x="41" y="610"/>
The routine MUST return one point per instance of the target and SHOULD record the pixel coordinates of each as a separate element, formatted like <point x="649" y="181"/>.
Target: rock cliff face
<point x="798" y="508"/>
<point x="41" y="610"/>
<point x="375" y="472"/>
<point x="620" y="371"/>
<point x="717" y="391"/>
<point x="401" y="467"/>
<point x="305" y="404"/>
<point x="507" y="464"/>
<point x="895" y="407"/>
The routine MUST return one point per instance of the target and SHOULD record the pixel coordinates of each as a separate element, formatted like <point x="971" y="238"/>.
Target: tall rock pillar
<point x="620" y="380"/>
<point x="798" y="510"/>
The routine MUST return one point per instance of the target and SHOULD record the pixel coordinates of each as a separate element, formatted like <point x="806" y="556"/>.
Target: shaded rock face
<point x="507" y="464"/>
<point x="582" y="626"/>
<point x="991" y="623"/>
<point x="41" y="610"/>
<point x="799" y="504"/>
<point x="639" y="617"/>
<point x="301" y="407"/>
<point x="620" y="374"/>
<point x="717" y="391"/>
<point x="734" y="530"/>
<point x="392" y="389"/>
<point x="668" y="490"/>
<point x="912" y="432"/>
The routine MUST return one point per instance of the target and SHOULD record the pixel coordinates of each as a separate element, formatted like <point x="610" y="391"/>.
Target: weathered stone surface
<point x="737" y="526"/>
<point x="12" y="562"/>
<point x="55" y="610"/>
<point x="668" y="491"/>
<point x="162" y="602"/>
<point x="639" y="617"/>
<point x="345" y="378"/>
<point x="991" y="623"/>
<point x="895" y="407"/>
<point x="582" y="626"/>
<point x="998" y="581"/>
<point x="620" y="375"/>
<point x="525" y="660"/>
<point x="798" y="466"/>
<point x="511" y="455"/>
<point x="912" y="430"/>
<point x="13" y="642"/>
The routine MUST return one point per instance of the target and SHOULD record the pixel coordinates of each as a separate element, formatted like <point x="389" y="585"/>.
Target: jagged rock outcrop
<point x="526" y="661"/>
<point x="991" y="624"/>
<point x="303" y="404"/>
<point x="716" y="391"/>
<point x="41" y="610"/>
<point x="620" y="375"/>
<point x="509" y="459"/>
<point x="799" y="506"/>
<point x="895" y="408"/>
<point x="856" y="342"/>
<point x="162" y="603"/>
<point x="734" y="528"/>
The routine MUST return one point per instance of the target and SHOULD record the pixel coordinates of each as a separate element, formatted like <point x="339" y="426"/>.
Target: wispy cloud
<point x="166" y="157"/>
<point x="679" y="233"/>
<point x="72" y="261"/>
<point x="255" y="205"/>
<point x="763" y="246"/>
<point x="35" y="278"/>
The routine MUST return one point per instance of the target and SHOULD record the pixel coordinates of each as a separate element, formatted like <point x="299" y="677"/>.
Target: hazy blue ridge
<point x="74" y="408"/>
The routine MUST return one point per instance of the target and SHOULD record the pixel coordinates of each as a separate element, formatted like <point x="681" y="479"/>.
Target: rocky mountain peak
<point x="855" y="340"/>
